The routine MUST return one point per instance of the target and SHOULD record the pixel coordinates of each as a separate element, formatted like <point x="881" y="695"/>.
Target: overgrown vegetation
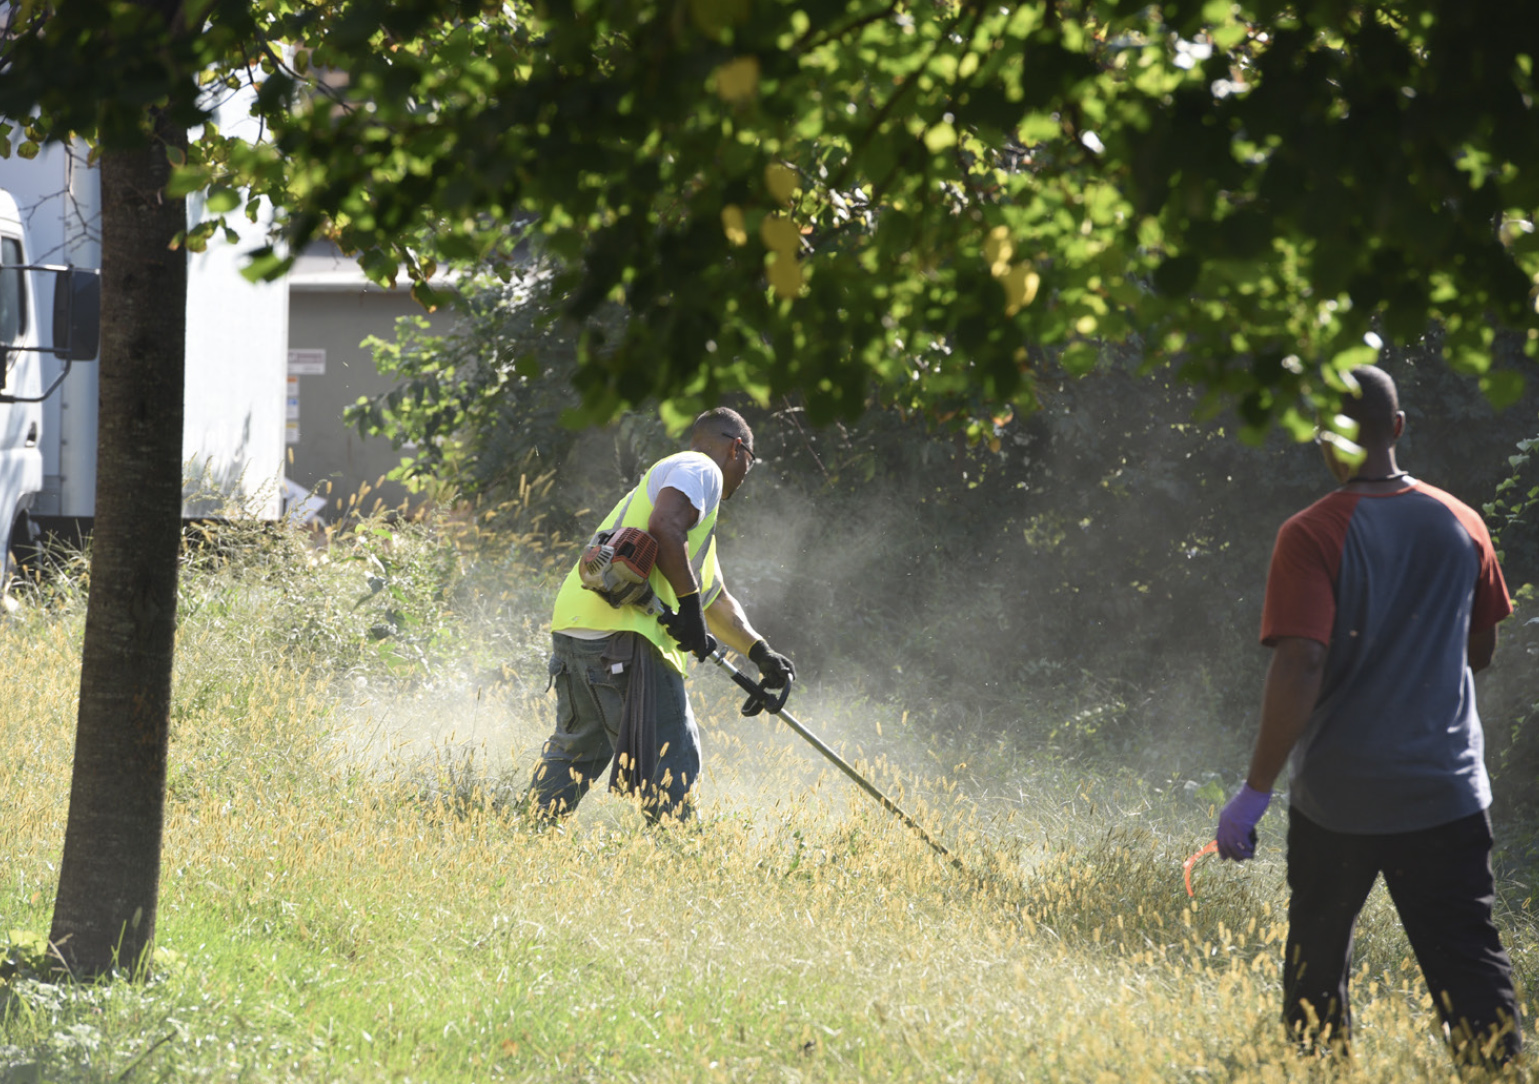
<point x="348" y="894"/>
<point x="1099" y="561"/>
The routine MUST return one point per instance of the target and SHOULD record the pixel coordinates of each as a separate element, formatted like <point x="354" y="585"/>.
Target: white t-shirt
<point x="693" y="474"/>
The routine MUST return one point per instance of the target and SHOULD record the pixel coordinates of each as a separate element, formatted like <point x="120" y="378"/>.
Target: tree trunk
<point x="104" y="916"/>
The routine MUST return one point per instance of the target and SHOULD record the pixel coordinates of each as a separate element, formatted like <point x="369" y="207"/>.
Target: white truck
<point x="237" y="353"/>
<point x="37" y="360"/>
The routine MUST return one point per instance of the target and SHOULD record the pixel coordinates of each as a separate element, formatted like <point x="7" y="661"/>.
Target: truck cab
<point x="23" y="346"/>
<point x="21" y="457"/>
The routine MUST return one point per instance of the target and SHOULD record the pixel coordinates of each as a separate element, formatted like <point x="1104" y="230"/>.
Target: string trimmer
<point x="762" y="699"/>
<point x="617" y="565"/>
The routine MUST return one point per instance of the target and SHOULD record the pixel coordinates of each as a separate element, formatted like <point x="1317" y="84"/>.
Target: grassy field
<point x="348" y="896"/>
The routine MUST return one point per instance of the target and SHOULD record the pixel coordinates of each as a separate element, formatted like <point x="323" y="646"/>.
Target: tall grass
<point x="349" y="893"/>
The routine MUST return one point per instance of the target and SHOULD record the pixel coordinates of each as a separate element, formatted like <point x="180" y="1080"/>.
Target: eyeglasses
<point x="743" y="444"/>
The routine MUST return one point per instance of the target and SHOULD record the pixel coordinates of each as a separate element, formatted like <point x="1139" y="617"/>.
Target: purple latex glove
<point x="1236" y="833"/>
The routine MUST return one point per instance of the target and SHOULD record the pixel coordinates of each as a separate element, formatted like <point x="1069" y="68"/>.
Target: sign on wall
<point x="307" y="362"/>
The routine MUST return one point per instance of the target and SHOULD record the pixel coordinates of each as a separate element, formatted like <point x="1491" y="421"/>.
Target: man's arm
<point x="729" y="623"/>
<point x="1292" y="687"/>
<point x="672" y="517"/>
<point x="1482" y="647"/>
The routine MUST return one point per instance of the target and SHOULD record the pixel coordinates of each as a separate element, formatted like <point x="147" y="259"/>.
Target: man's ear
<point x="1399" y="423"/>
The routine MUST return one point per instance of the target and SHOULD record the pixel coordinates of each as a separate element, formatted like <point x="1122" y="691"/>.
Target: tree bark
<point x="104" y="916"/>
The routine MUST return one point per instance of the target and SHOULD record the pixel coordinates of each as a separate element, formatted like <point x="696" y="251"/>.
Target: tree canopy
<point x="935" y="200"/>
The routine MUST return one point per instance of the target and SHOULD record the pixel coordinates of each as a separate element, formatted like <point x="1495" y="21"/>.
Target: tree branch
<point x="903" y="89"/>
<point x="859" y="24"/>
<point x="318" y="83"/>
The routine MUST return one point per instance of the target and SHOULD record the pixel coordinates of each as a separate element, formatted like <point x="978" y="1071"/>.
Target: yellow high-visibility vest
<point x="579" y="608"/>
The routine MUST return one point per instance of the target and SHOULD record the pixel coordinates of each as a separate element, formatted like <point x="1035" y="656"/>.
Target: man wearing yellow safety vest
<point x="618" y="672"/>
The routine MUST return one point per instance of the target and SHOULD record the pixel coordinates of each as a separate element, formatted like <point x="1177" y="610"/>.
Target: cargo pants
<point x="591" y="685"/>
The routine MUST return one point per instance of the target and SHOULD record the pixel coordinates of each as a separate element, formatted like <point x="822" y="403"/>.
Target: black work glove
<point x="687" y="626"/>
<point x="774" y="669"/>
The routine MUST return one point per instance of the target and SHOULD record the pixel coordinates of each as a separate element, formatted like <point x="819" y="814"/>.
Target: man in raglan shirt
<point x="1382" y="602"/>
<point x="619" y="672"/>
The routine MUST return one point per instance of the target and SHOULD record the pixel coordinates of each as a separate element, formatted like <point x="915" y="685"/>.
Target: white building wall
<point x="237" y="365"/>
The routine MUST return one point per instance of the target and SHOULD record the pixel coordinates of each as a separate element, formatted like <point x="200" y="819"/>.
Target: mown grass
<point x="348" y="893"/>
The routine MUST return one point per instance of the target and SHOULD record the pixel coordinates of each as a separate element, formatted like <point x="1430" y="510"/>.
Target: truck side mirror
<point x="77" y="313"/>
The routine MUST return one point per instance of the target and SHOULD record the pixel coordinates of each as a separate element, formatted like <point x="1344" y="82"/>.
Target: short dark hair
<point x="1373" y="407"/>
<point x="722" y="422"/>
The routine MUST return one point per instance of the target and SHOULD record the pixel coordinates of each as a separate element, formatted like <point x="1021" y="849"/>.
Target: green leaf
<point x="1299" y="427"/>
<point x="1080" y="357"/>
<point x="1502" y="388"/>
<point x="265" y="265"/>
<point x="1469" y="356"/>
<point x="379" y="267"/>
<point x="186" y="180"/>
<point x="424" y="295"/>
<point x="222" y="200"/>
<point x="940" y="136"/>
<point x="1353" y="357"/>
<point x="1039" y="128"/>
<point x="676" y="415"/>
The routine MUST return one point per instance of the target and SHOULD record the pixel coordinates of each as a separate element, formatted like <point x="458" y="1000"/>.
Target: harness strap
<point x="696" y="563"/>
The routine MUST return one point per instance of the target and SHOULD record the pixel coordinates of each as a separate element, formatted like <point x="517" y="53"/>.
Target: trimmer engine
<point x="616" y="565"/>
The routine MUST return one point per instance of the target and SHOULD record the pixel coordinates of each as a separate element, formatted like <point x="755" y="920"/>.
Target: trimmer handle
<point x="665" y="615"/>
<point x="761" y="697"/>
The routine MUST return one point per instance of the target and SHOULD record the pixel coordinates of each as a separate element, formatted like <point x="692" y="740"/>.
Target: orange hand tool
<point x="1186" y="867"/>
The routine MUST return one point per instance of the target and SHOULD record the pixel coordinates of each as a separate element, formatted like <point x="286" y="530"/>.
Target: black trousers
<point x="1441" y="884"/>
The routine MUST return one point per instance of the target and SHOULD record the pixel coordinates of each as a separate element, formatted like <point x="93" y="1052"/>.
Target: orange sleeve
<point x="1492" y="603"/>
<point x="1301" y="583"/>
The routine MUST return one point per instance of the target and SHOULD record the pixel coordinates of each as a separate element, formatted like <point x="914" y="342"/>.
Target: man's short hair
<point x="1374" y="407"/>
<point x="722" y="422"/>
